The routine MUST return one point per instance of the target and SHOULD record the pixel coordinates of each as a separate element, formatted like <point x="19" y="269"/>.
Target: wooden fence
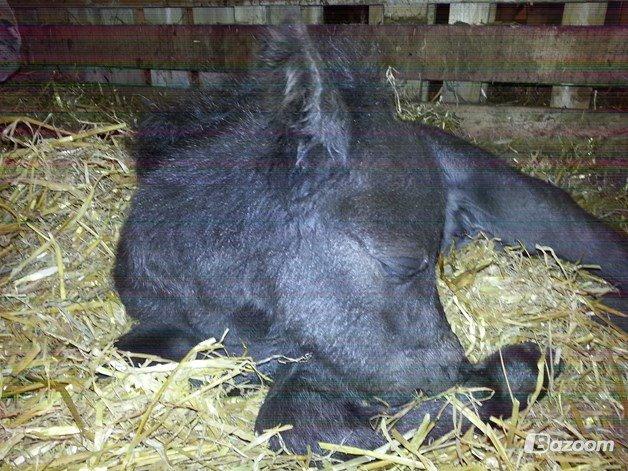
<point x="181" y="42"/>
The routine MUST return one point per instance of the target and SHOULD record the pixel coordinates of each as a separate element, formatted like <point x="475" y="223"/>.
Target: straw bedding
<point x="71" y="401"/>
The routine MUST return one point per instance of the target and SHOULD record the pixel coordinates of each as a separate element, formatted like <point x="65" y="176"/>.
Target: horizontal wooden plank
<point x="517" y="132"/>
<point x="495" y="123"/>
<point x="499" y="125"/>
<point x="220" y="3"/>
<point x="524" y="54"/>
<point x="27" y="76"/>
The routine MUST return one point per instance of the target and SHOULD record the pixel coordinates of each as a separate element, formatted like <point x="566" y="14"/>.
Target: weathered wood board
<point x="578" y="55"/>
<point x="496" y="124"/>
<point x="218" y="3"/>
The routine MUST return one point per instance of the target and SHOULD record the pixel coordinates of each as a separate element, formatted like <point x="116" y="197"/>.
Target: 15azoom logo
<point x="542" y="443"/>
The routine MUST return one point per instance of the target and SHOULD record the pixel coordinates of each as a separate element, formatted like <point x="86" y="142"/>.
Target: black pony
<point x="297" y="213"/>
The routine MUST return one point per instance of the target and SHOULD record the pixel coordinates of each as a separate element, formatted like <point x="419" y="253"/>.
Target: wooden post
<point x="169" y="78"/>
<point x="376" y="14"/>
<point x="213" y="16"/>
<point x="406" y="14"/>
<point x="140" y="19"/>
<point x="564" y="96"/>
<point x="425" y="84"/>
<point x="473" y="14"/>
<point x="312" y="15"/>
<point x="107" y="16"/>
<point x="283" y="14"/>
<point x="256" y="15"/>
<point x="163" y="16"/>
<point x="420" y="14"/>
<point x="101" y="16"/>
<point x="53" y="16"/>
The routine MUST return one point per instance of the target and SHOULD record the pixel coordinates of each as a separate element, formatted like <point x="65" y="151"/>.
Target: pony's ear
<point x="306" y="107"/>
